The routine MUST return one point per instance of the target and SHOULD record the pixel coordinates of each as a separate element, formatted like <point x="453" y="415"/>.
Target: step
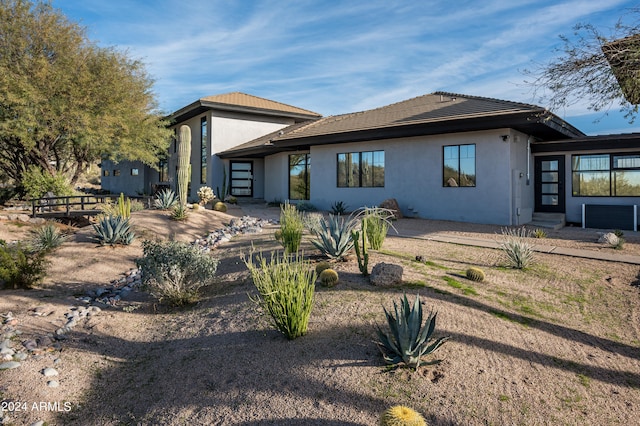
<point x="549" y="217"/>
<point x="555" y="225"/>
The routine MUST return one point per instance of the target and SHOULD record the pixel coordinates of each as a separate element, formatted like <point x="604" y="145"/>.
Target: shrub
<point x="292" y="227"/>
<point x="475" y="274"/>
<point x="305" y="206"/>
<point x="285" y="291"/>
<point x="21" y="267"/>
<point x="179" y="212"/>
<point x="165" y="199"/>
<point x="338" y="208"/>
<point x="329" y="277"/>
<point x="37" y="183"/>
<point x="231" y="200"/>
<point x="400" y="415"/>
<point x="205" y="194"/>
<point x="137" y="206"/>
<point x="220" y="207"/>
<point x="333" y="238"/>
<point x="322" y="266"/>
<point x="312" y="221"/>
<point x="114" y="230"/>
<point x="618" y="233"/>
<point x="174" y="272"/>
<point x="408" y="341"/>
<point x="539" y="233"/>
<point x="377" y="226"/>
<point x="518" y="251"/>
<point x="46" y="238"/>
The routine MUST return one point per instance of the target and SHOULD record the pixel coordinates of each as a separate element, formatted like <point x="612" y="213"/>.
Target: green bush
<point x="377" y="227"/>
<point x="114" y="230"/>
<point x="37" y="183"/>
<point x="285" y="291"/>
<point x="408" y="341"/>
<point x="137" y="206"/>
<point x="21" y="267"/>
<point x="312" y="222"/>
<point x="179" y="212"/>
<point x="291" y="227"/>
<point x="174" y="272"/>
<point x="46" y="237"/>
<point x="305" y="206"/>
<point x="518" y="251"/>
<point x="539" y="233"/>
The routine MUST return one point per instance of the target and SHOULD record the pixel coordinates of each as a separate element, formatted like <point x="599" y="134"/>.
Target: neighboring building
<point x="217" y="123"/>
<point x="441" y="156"/>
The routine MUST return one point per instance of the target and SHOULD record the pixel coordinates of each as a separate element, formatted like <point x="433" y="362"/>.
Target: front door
<point x="242" y="178"/>
<point x="549" y="184"/>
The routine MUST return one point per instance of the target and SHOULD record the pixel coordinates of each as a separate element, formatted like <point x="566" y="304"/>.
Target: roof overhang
<point x="589" y="143"/>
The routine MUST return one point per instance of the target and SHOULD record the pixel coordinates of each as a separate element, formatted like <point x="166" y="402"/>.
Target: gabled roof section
<point x="242" y="102"/>
<point x="436" y="113"/>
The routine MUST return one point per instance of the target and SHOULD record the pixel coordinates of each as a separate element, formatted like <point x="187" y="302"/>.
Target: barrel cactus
<point x="321" y="266"/>
<point x="329" y="277"/>
<point x="184" y="159"/>
<point x="400" y="415"/>
<point x="220" y="207"/>
<point x="475" y="274"/>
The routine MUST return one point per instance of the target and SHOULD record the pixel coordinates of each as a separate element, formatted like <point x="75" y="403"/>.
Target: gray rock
<point x="20" y="356"/>
<point x="9" y="365"/>
<point x="53" y="383"/>
<point x="608" y="238"/>
<point x="50" y="372"/>
<point x="30" y="344"/>
<point x="40" y="423"/>
<point x="386" y="275"/>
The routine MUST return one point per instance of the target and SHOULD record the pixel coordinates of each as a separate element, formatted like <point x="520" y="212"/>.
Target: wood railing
<point x="74" y="205"/>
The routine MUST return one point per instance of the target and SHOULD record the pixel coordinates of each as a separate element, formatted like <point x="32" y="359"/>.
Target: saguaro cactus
<point x="184" y="157"/>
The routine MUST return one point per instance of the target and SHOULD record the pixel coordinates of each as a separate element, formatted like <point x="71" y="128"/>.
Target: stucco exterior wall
<point x="126" y="182"/>
<point x="414" y="175"/>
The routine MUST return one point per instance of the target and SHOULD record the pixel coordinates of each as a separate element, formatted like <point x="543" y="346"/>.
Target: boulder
<point x="386" y="275"/>
<point x="608" y="238"/>
<point x="392" y="204"/>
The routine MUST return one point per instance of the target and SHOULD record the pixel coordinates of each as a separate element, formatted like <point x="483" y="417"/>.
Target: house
<point x="441" y="156"/>
<point x="217" y="123"/>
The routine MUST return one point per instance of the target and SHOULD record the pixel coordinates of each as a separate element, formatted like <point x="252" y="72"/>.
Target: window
<point x="361" y="169"/>
<point x="203" y="150"/>
<point x="163" y="170"/>
<point x="459" y="165"/>
<point x="116" y="172"/>
<point x="105" y="172"/>
<point x="134" y="172"/>
<point x="605" y="175"/>
<point x="175" y="140"/>
<point x="299" y="176"/>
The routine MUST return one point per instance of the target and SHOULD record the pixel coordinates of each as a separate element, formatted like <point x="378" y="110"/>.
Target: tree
<point x="65" y="102"/>
<point x="601" y="70"/>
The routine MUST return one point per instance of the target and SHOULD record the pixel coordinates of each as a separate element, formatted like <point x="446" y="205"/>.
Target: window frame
<point x="307" y="172"/>
<point x="356" y="174"/>
<point x="611" y="171"/>
<point x="458" y="166"/>
<point x="203" y="149"/>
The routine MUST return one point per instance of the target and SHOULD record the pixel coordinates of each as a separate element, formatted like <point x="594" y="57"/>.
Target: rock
<point x="40" y="423"/>
<point x="20" y="356"/>
<point x="386" y="275"/>
<point x="37" y="220"/>
<point x="609" y="238"/>
<point x="30" y="344"/>
<point x="50" y="372"/>
<point x="9" y="365"/>
<point x="392" y="204"/>
<point x="23" y="217"/>
<point x="53" y="383"/>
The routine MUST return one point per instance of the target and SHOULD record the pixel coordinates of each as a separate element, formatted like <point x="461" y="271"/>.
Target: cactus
<point x="475" y="274"/>
<point x="329" y="277"/>
<point x="223" y="194"/>
<point x="124" y="206"/>
<point x="360" y="246"/>
<point x="184" y="159"/>
<point x="220" y="207"/>
<point x="322" y="266"/>
<point x="400" y="415"/>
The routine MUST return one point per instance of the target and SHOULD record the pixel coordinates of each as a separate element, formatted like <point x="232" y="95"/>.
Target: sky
<point x="342" y="56"/>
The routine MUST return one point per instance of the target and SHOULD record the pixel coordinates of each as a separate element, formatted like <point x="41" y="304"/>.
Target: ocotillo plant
<point x="184" y="157"/>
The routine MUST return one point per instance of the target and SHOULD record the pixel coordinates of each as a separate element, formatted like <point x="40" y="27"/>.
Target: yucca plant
<point x="179" y="212"/>
<point x="285" y="291"/>
<point x="333" y="237"/>
<point x="46" y="238"/>
<point x="114" y="230"/>
<point x="408" y="341"/>
<point x="518" y="251"/>
<point x="165" y="199"/>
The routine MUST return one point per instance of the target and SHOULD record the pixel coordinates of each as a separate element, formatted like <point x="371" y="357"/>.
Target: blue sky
<point x="345" y="56"/>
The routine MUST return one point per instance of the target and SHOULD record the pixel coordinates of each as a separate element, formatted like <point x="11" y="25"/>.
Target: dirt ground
<point x="556" y="344"/>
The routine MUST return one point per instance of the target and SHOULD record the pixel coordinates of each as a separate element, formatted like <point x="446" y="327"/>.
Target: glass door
<point x="242" y="178"/>
<point x="549" y="184"/>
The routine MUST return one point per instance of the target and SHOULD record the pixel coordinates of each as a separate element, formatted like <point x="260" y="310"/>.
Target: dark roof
<point x="589" y="143"/>
<point x="431" y="114"/>
<point x="237" y="101"/>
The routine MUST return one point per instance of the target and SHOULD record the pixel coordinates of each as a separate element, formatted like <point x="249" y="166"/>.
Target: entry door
<point x="242" y="178"/>
<point x="549" y="184"/>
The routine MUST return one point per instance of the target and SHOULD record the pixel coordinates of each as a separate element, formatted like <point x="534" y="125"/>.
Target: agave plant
<point x="114" y="230"/>
<point x="409" y="341"/>
<point x="46" y="238"/>
<point x="165" y="199"/>
<point x="333" y="237"/>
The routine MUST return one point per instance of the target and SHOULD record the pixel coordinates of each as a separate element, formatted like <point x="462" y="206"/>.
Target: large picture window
<point x="361" y="169"/>
<point x="203" y="150"/>
<point x="459" y="165"/>
<point x="605" y="175"/>
<point x="299" y="176"/>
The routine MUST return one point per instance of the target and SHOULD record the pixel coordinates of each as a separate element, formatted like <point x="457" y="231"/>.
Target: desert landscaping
<point x="557" y="343"/>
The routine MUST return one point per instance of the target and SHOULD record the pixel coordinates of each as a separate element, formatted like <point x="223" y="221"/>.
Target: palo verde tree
<point x="66" y="102"/>
<point x="602" y="70"/>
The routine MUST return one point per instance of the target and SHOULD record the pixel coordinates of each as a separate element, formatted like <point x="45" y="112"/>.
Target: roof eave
<point x="200" y="106"/>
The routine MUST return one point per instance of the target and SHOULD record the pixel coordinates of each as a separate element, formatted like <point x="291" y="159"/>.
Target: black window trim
<point x="359" y="153"/>
<point x="610" y="171"/>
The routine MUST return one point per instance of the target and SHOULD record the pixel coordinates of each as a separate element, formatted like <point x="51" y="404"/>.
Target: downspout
<point x="528" y="158"/>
